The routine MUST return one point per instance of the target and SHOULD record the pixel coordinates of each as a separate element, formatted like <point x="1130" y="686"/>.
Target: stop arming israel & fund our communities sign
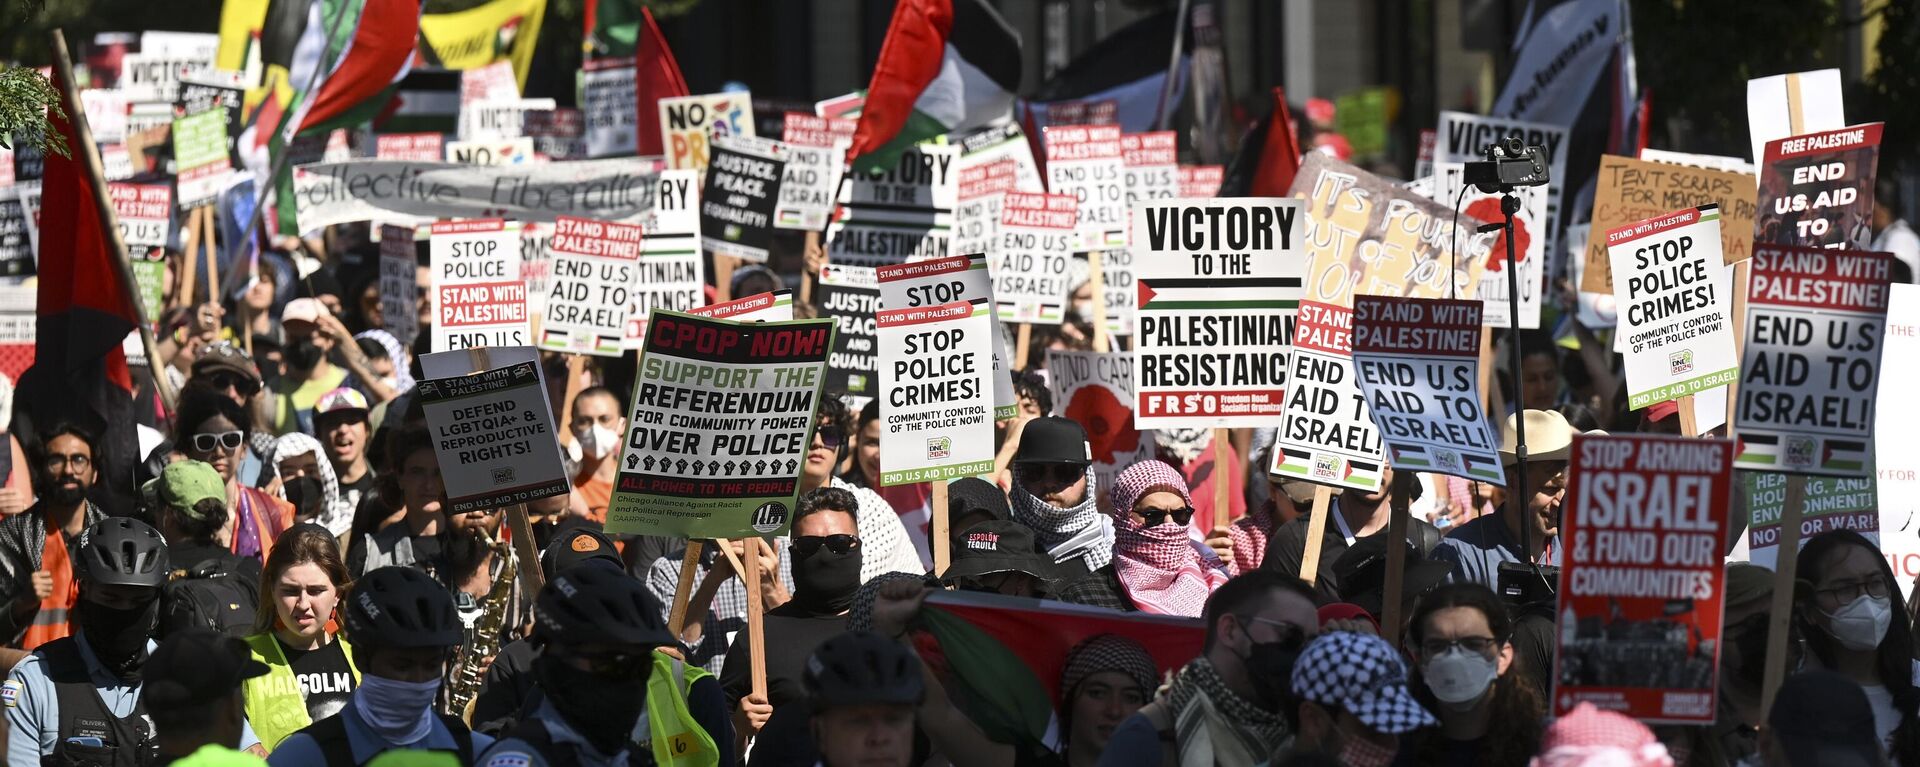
<point x="480" y="297"/>
<point x="1810" y="377"/>
<point x="1328" y="435"/>
<point x="935" y="402"/>
<point x="1218" y="284"/>
<point x="1643" y="589"/>
<point x="1673" y="295"/>
<point x="492" y="429"/>
<point x="1418" y="363"/>
<point x="944" y="281"/>
<point x="594" y="267"/>
<point x="722" y="416"/>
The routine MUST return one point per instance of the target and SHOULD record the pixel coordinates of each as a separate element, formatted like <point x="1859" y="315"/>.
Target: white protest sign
<point x="1328" y="435"/>
<point x="507" y="151"/>
<point x="611" y="105"/>
<point x="1032" y="263"/>
<point x="594" y="265"/>
<point x="146" y="77"/>
<point x="486" y="120"/>
<point x="492" y="430"/>
<point x="1201" y="180"/>
<point x="29" y="193"/>
<point x="1085" y="161"/>
<point x="1463" y="139"/>
<point x="493" y="82"/>
<point x="408" y="146"/>
<point x="1417" y="361"/>
<point x="1117" y="284"/>
<point x="1095" y="390"/>
<point x="959" y="279"/>
<point x="688" y="125"/>
<point x="993" y="161"/>
<point x="936" y="404"/>
<point x="902" y="214"/>
<point x="775" y="306"/>
<point x="145" y="212"/>
<point x="671" y="275"/>
<point x="619" y="189"/>
<point x="1674" y="304"/>
<point x="816" y="150"/>
<point x="1770" y="106"/>
<point x="106" y="114"/>
<point x="1152" y="163"/>
<point x="479" y="299"/>
<point x="399" y="294"/>
<point x="1896" y="458"/>
<point x="1708" y="161"/>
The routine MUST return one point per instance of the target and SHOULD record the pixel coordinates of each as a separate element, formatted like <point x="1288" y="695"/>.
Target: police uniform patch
<point x="509" y="759"/>
<point x="10" y="693"/>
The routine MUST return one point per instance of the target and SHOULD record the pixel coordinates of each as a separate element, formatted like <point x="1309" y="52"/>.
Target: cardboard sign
<point x="16" y="248"/>
<point x="200" y="157"/>
<point x="1368" y="235"/>
<point x="1201" y="180"/>
<point x="1817" y="189"/>
<point x="688" y="125"/>
<point x="743" y="186"/>
<point x="492" y="430"/>
<point x="1642" y="590"/>
<point x="1675" y="304"/>
<point x="905" y="213"/>
<point x="816" y="150"/>
<point x="399" y="295"/>
<point x="1218" y="281"/>
<point x="1031" y="267"/>
<point x="936" y="404"/>
<point x="850" y="295"/>
<point x="948" y="280"/>
<point x="106" y="114"/>
<point x="1535" y="227"/>
<point x="1328" y="435"/>
<point x="1085" y="161"/>
<point x="145" y="212"/>
<point x="1628" y="190"/>
<point x="499" y="119"/>
<point x="1897" y="460"/>
<point x="776" y="306"/>
<point x="408" y="146"/>
<point x="722" y="417"/>
<point x="1691" y="160"/>
<point x="611" y="106"/>
<point x="993" y="161"/>
<point x="619" y="189"/>
<point x="479" y="299"/>
<point x="1809" y="377"/>
<point x="510" y="151"/>
<point x="1417" y="361"/>
<point x="594" y="267"/>
<point x="1152" y="165"/>
<point x="1095" y="389"/>
<point x="672" y="273"/>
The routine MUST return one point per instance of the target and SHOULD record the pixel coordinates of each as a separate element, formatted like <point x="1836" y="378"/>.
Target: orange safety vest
<point x="50" y="622"/>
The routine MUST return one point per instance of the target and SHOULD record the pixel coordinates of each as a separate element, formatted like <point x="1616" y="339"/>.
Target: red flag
<point x="1279" y="154"/>
<point x="656" y="77"/>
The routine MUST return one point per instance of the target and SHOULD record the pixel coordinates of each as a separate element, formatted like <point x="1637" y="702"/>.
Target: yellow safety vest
<point x="678" y="741"/>
<point x="275" y="707"/>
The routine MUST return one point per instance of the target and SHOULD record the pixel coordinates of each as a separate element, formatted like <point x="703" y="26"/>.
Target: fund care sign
<point x="1673" y="295"/>
<point x="721" y="421"/>
<point x="479" y="297"/>
<point x="1218" y="283"/>
<point x="937" y="405"/>
<point x="1418" y="363"/>
<point x="1816" y="320"/>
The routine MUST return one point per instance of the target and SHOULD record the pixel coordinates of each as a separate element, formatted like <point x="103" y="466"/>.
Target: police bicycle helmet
<point x="122" y="551"/>
<point x="402" y="607"/>
<point x="596" y="602"/>
<point x="862" y="668"/>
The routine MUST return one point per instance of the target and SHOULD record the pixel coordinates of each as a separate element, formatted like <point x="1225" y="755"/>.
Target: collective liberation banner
<point x="595" y="264"/>
<point x="1675" y="299"/>
<point x="944" y="281"/>
<point x="722" y="418"/>
<point x="1418" y="364"/>
<point x="479" y="298"/>
<point x="936" y="404"/>
<point x="1643" y="589"/>
<point x="619" y="189"/>
<point x="1328" y="435"/>
<point x="492" y="429"/>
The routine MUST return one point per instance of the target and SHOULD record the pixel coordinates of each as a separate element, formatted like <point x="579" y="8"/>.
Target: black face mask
<point x="304" y="354"/>
<point x="119" y="637"/>
<point x="1270" y="670"/>
<point x="602" y="710"/>
<point x="824" y="583"/>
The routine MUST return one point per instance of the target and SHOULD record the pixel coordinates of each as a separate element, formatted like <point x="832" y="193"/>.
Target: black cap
<point x="1823" y="718"/>
<point x="1052" y="439"/>
<point x="1360" y="573"/>
<point x="574" y="545"/>
<point x="197" y="666"/>
<point x="997" y="546"/>
<point x="598" y="603"/>
<point x="973" y="495"/>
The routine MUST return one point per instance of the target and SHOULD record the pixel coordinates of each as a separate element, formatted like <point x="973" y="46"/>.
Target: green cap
<point x="184" y="484"/>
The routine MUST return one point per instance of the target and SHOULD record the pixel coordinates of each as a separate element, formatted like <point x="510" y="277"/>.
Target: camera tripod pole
<point x="1516" y="496"/>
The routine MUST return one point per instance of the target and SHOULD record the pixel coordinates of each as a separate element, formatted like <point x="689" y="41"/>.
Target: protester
<point x="1891" y="234"/>
<point x="1161" y="569"/>
<point x="340" y="422"/>
<point x="998" y="556"/>
<point x="1191" y="451"/>
<point x="403" y="629"/>
<point x="311" y="672"/>
<point x="213" y="428"/>
<point x="1243" y="544"/>
<point x="1351" y="516"/>
<point x="1822" y="719"/>
<point x="1847" y="619"/>
<point x="599" y="428"/>
<point x="885" y="543"/>
<point x="230" y="371"/>
<point x="862" y="689"/>
<point x="37" y="574"/>
<point x="475" y="562"/>
<point x="211" y="587"/>
<point x="1107" y="679"/>
<point x="391" y="369"/>
<point x="1480" y="546"/>
<point x="1360" y="578"/>
<point x="911" y="502"/>
<point x="1354" y="702"/>
<point x="413" y="485"/>
<point x="1054" y="493"/>
<point x="717" y="607"/>
<point x="1488" y="713"/>
<point x="193" y="695"/>
<point x="16" y="475"/>
<point x="509" y="688"/>
<point x="970" y="501"/>
<point x="298" y="456"/>
<point x="1590" y="737"/>
<point x="1743" y="660"/>
<point x="309" y="372"/>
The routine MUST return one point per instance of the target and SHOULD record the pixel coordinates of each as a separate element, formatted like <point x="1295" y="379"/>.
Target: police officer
<point x="863" y="689"/>
<point x="404" y="631"/>
<point x="611" y="698"/>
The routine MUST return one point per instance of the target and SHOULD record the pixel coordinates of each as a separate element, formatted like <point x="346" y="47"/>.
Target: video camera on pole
<point x="1510" y="164"/>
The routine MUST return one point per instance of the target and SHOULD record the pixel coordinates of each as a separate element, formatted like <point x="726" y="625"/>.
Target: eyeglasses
<point x="807" y="545"/>
<point x="1842" y="593"/>
<point x="226" y="440"/>
<point x="79" y="462"/>
<point x="1155" y="517"/>
<point x="1292" y="637"/>
<point x="244" y="385"/>
<point x="830" y="436"/>
<point x="1481" y="646"/>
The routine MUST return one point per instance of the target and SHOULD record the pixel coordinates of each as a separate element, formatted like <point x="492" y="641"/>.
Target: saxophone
<point x="483" y="639"/>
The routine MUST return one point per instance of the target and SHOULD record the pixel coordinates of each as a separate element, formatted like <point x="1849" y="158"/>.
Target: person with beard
<point x="213" y="428"/>
<point x="602" y="674"/>
<point x="1234" y="701"/>
<point x="76" y="700"/>
<point x="1054" y="494"/>
<point x="827" y="554"/>
<point x="1490" y="714"/>
<point x="404" y="630"/>
<point x="310" y="670"/>
<point x="1352" y="515"/>
<point x="36" y="546"/>
<point x="1479" y="547"/>
<point x="340" y="421"/>
<point x="469" y="569"/>
<point x="1354" y="703"/>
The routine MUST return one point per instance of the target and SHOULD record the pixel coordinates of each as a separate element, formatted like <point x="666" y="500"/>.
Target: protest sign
<point x="1117" y="285"/>
<point x="1642" y="589"/>
<point x="722" y="417"/>
<point x="1085" y="161"/>
<point x="672" y="274"/>
<point x="611" y="106"/>
<point x="1708" y="161"/>
<point x="1897" y="460"/>
<point x="902" y="214"/>
<point x="1368" y="235"/>
<point x="16" y="248"/>
<point x="479" y="300"/>
<point x="106" y="110"/>
<point x="149" y="283"/>
<point x="536" y="264"/>
<point x="1810" y="369"/>
<point x="479" y="35"/>
<point x="1831" y="503"/>
<point x="960" y="279"/>
<point x="1095" y="389"/>
<point x="29" y="196"/>
<point x="618" y="189"/>
<point x="559" y="134"/>
<point x="1201" y="180"/>
<point x="1032" y="264"/>
<point x="776" y="306"/>
<point x="993" y="161"/>
<point x="216" y="90"/>
<point x="851" y="296"/>
<point x="399" y="293"/>
<point x="408" y="147"/>
<point x="1628" y="190"/>
<point x="1675" y="303"/>
<point x="936" y="400"/>
<point x="145" y="212"/>
<point x="1793" y="104"/>
<point x="1152" y="165"/>
<point x="688" y="125"/>
<point x="153" y="77"/>
<point x="1535" y="227"/>
<point x="1417" y="362"/>
<point x="816" y="149"/>
<point x="498" y="119"/>
<point x="201" y="163"/>
<point x="493" y="82"/>
<point x="493" y="429"/>
<point x="1328" y="435"/>
<point x="1218" y="281"/>
<point x="1817" y="189"/>
<point x="743" y="186"/>
<point x="1423" y="155"/>
<point x="594" y="268"/>
<point x="507" y="151"/>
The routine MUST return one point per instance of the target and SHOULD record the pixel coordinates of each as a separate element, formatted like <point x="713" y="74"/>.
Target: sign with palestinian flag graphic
<point x="1327" y="435"/>
<point x="1418" y="364"/>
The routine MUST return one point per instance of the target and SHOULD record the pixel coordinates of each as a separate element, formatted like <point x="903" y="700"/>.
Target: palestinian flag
<point x="1122" y="80"/>
<point x="1269" y="156"/>
<point x="946" y="66"/>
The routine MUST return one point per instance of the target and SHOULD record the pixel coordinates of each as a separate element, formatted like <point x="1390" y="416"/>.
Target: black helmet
<point x="861" y="668"/>
<point x="122" y="551"/>
<point x="596" y="602"/>
<point x="401" y="607"/>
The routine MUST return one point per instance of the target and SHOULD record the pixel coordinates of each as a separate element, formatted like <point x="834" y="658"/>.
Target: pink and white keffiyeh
<point x="1159" y="566"/>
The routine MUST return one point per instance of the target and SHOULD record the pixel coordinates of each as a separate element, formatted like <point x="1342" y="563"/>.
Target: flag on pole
<point x="1269" y="156"/>
<point x="946" y="66"/>
<point x="656" y="76"/>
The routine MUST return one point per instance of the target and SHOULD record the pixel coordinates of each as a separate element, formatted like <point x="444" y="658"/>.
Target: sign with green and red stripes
<point x="1418" y="364"/>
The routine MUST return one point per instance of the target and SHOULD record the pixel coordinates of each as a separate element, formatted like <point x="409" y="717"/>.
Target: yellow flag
<point x="240" y="22"/>
<point x="476" y="37"/>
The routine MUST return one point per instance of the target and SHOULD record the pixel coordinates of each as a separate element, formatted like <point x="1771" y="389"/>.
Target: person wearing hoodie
<point x="1163" y="570"/>
<point x="1054" y="494"/>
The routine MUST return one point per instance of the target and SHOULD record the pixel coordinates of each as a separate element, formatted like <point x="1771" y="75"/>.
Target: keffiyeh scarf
<point x="1081" y="531"/>
<point x="1213" y="726"/>
<point x="335" y="515"/>
<point x="1158" y="566"/>
<point x="402" y="377"/>
<point x="1249" y="536"/>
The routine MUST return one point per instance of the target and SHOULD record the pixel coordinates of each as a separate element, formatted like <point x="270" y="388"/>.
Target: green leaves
<point x="25" y="97"/>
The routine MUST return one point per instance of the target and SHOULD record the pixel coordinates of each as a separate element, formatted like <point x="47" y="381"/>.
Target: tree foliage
<point x="25" y="97"/>
<point x="1697" y="56"/>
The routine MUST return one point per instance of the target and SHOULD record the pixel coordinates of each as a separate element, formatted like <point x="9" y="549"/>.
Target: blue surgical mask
<point x="401" y="713"/>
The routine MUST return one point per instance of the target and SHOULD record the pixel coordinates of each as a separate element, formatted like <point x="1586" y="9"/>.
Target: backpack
<point x="207" y="596"/>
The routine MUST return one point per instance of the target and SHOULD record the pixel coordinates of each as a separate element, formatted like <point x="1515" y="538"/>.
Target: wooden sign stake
<point x="1785" y="563"/>
<point x="1316" y="535"/>
<point x="942" y="539"/>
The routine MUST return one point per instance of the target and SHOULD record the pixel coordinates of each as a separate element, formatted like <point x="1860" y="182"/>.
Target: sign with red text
<point x="775" y="306"/>
<point x="1817" y="189"/>
<point x="416" y="147"/>
<point x="399" y="295"/>
<point x="936" y="400"/>
<point x="1151" y="163"/>
<point x="1534" y="226"/>
<point x="672" y="275"/>
<point x="1327" y="435"/>
<point x="944" y="281"/>
<point x="479" y="298"/>
<point x="594" y="266"/>
<point x="992" y="161"/>
<point x="1031" y="267"/>
<point x="1832" y="503"/>
<point x="1896" y="460"/>
<point x="688" y="125"/>
<point x="1417" y="361"/>
<point x="816" y="149"/>
<point x="145" y="212"/>
<point x="492" y="429"/>
<point x="1085" y="161"/>
<point x="1675" y="299"/>
<point x="1201" y="180"/>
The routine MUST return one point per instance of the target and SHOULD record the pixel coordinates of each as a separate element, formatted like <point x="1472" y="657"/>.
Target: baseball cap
<point x="197" y="666"/>
<point x="1823" y="718"/>
<point x="225" y="357"/>
<point x="184" y="484"/>
<point x="342" y="399"/>
<point x="303" y="310"/>
<point x="1362" y="675"/>
<point x="997" y="546"/>
<point x="575" y="545"/>
<point x="1747" y="582"/>
<point x="1053" y="439"/>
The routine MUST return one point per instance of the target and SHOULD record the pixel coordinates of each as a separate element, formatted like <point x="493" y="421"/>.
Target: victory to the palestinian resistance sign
<point x="1674" y="296"/>
<point x="1218" y="283"/>
<point x="479" y="297"/>
<point x="1808" y="384"/>
<point x="1328" y="435"/>
<point x="1418" y="362"/>
<point x="594" y="267"/>
<point x="1642" y="589"/>
<point x="936" y="406"/>
<point x="722" y="416"/>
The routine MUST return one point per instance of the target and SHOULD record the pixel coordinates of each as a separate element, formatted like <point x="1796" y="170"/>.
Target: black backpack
<point x="208" y="595"/>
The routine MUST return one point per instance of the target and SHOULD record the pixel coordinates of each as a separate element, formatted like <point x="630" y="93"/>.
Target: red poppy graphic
<point x="1488" y="209"/>
<point x="1108" y="421"/>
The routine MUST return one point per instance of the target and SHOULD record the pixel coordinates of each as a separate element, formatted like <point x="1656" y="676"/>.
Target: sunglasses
<point x="808" y="545"/>
<point x="830" y="436"/>
<point x="1058" y="472"/>
<point x="1156" y="517"/>
<point x="244" y="385"/>
<point x="207" y="443"/>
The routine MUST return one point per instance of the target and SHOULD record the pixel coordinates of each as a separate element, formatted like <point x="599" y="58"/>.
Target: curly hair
<point x="1514" y="726"/>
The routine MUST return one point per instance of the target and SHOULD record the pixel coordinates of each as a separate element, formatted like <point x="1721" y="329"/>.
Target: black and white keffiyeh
<point x="1081" y="531"/>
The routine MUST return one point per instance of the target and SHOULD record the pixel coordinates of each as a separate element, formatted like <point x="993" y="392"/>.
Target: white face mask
<point x="1459" y="677"/>
<point x="598" y="441"/>
<point x="1862" y="623"/>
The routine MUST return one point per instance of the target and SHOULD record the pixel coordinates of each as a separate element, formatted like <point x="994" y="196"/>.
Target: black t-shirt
<point x="358" y="490"/>
<point x="326" y="681"/>
<point x="791" y="636"/>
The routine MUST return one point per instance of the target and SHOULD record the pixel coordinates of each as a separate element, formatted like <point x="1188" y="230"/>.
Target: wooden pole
<point x="683" y="591"/>
<point x="723" y="268"/>
<point x="1739" y="335"/>
<point x="576" y="368"/>
<point x="1222" y="479"/>
<point x="479" y="360"/>
<point x="1403" y="483"/>
<point x="1097" y="283"/>
<point x="1785" y="562"/>
<point x="807" y="276"/>
<point x="1487" y="391"/>
<point x="208" y="228"/>
<point x="1316" y="535"/>
<point x="190" y="264"/>
<point x="1020" y="343"/>
<point x="1689" y="425"/>
<point x="756" y="634"/>
<point x="942" y="539"/>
